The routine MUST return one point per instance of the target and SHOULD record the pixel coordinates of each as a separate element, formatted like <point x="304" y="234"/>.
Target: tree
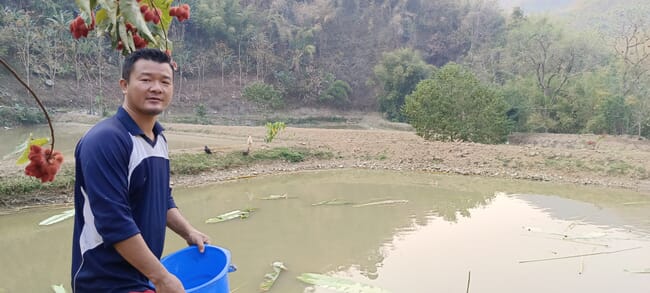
<point x="539" y="49"/>
<point x="453" y="105"/>
<point x="223" y="54"/>
<point x="630" y="42"/>
<point x="52" y="47"/>
<point x="23" y="28"/>
<point x="397" y="75"/>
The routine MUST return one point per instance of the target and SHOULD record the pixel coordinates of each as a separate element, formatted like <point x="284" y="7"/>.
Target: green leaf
<point x="335" y="201"/>
<point x="101" y="16"/>
<point x="641" y="271"/>
<point x="165" y="18"/>
<point x="84" y="6"/>
<point x="276" y="196"/>
<point x="58" y="289"/>
<point x="339" y="284"/>
<point x="127" y="40"/>
<point x="57" y="218"/>
<point x="236" y="214"/>
<point x="24" y="148"/>
<point x="383" y="202"/>
<point x="131" y="11"/>
<point x="106" y="18"/>
<point x="270" y="278"/>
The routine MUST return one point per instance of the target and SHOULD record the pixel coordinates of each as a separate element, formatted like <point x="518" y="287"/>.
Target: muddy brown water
<point x="450" y="227"/>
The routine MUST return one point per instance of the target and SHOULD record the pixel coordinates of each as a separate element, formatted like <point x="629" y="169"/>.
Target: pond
<point x="438" y="232"/>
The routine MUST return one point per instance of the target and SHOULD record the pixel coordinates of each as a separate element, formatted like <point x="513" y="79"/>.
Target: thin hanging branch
<point x="40" y="104"/>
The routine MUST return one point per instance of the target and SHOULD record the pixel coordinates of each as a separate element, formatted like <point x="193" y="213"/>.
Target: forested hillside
<point x="587" y="72"/>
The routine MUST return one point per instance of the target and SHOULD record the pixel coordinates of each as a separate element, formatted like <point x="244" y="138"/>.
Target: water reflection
<point x="451" y="225"/>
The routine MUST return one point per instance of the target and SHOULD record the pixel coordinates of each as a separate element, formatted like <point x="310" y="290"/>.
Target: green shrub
<point x="21" y="115"/>
<point x="453" y="105"/>
<point x="337" y="94"/>
<point x="191" y="164"/>
<point x="264" y="94"/>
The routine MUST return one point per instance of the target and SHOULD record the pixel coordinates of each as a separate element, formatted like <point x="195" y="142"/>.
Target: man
<point x="123" y="200"/>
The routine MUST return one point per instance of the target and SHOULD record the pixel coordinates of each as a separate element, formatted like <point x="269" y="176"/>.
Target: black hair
<point x="146" y="54"/>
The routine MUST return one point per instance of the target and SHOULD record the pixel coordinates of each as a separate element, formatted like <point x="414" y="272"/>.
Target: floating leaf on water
<point x="339" y="284"/>
<point x="270" y="278"/>
<point x="383" y="202"/>
<point x="335" y="201"/>
<point x="58" y="289"/>
<point x="643" y="271"/>
<point x="634" y="203"/>
<point x="276" y="196"/>
<point x="236" y="214"/>
<point x="57" y="218"/>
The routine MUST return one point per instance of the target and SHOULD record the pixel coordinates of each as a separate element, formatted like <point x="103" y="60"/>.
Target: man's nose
<point x="156" y="86"/>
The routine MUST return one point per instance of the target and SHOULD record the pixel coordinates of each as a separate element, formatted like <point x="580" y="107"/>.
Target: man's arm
<point x="138" y="254"/>
<point x="182" y="227"/>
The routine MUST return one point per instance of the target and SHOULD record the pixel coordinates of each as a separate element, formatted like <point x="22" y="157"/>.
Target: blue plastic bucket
<point x="205" y="272"/>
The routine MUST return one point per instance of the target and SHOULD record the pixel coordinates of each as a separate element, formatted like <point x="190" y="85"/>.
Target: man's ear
<point x="123" y="84"/>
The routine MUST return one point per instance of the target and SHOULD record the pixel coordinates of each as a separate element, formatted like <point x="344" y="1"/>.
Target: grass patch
<point x="190" y="164"/>
<point x="610" y="167"/>
<point x="23" y="184"/>
<point x="181" y="164"/>
<point x="190" y="119"/>
<point x="314" y="120"/>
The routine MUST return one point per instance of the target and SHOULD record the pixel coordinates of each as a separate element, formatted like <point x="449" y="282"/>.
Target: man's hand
<point x="138" y="254"/>
<point x="168" y="284"/>
<point x="182" y="227"/>
<point x="196" y="237"/>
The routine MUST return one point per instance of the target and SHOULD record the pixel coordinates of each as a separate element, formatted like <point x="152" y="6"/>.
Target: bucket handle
<point x="232" y="268"/>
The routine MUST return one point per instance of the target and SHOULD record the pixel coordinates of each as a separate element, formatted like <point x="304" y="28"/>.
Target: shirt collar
<point x="133" y="128"/>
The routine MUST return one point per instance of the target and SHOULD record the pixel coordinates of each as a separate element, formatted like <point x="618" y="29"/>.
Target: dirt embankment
<point x="582" y="159"/>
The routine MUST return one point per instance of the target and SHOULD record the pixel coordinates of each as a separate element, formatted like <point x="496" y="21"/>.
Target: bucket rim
<point x="223" y="273"/>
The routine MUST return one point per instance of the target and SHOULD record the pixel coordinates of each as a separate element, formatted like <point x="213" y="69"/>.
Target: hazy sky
<point x="537" y="5"/>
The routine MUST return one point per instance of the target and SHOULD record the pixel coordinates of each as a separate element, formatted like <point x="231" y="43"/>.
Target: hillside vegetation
<point x="250" y="56"/>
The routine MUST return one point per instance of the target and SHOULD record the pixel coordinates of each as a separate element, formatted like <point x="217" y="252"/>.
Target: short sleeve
<point x="104" y="157"/>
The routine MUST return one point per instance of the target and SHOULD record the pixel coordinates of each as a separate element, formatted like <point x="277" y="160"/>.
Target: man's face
<point x="149" y="88"/>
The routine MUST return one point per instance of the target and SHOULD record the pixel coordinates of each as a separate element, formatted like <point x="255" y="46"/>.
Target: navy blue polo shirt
<point x="121" y="189"/>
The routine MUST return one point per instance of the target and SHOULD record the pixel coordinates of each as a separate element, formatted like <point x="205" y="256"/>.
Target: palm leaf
<point x="276" y="196"/>
<point x="335" y="201"/>
<point x="58" y="289"/>
<point x="270" y="278"/>
<point x="339" y="284"/>
<point x="643" y="271"/>
<point x="383" y="202"/>
<point x="236" y="214"/>
<point x="57" y="218"/>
